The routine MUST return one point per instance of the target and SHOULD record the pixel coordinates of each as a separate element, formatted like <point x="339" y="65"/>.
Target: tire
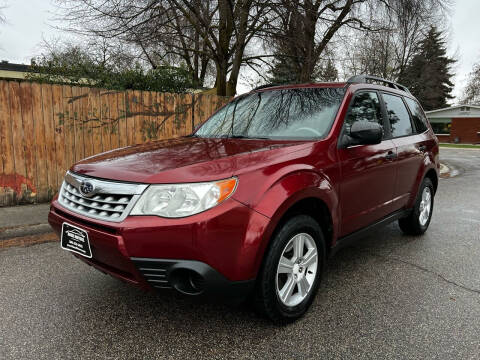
<point x="269" y="299"/>
<point x="417" y="222"/>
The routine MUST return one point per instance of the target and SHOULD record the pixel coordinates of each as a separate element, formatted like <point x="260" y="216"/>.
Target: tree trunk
<point x="221" y="80"/>
<point x="239" y="48"/>
<point x="225" y="30"/>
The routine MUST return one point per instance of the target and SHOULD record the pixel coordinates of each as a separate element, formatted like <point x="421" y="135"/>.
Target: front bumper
<point x="210" y="254"/>
<point x="191" y="277"/>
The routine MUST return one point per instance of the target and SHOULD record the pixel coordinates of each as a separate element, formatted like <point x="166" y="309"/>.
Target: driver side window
<point x="365" y="107"/>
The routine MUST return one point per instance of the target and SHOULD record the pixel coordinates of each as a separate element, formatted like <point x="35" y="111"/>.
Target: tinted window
<point x="398" y="115"/>
<point x="418" y="116"/>
<point x="306" y="113"/>
<point x="365" y="107"/>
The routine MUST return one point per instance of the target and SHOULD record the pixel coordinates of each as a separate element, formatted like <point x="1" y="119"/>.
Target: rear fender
<point x="428" y="164"/>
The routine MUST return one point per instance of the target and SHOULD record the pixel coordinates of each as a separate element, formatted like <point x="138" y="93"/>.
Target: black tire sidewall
<point x="296" y="225"/>
<point x="416" y="210"/>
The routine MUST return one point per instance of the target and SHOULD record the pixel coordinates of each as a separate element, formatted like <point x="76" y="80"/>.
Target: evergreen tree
<point x="428" y="74"/>
<point x="283" y="71"/>
<point x="328" y="72"/>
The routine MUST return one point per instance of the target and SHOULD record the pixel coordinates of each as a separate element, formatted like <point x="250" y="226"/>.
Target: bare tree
<point x="165" y="34"/>
<point x="471" y="93"/>
<point x="227" y="29"/>
<point x="2" y="14"/>
<point x="387" y="52"/>
<point x="370" y="53"/>
<point x="213" y="39"/>
<point x="194" y="33"/>
<point x="301" y="30"/>
<point x="154" y="30"/>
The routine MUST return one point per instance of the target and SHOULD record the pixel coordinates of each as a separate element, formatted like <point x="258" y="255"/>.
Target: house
<point x="456" y="124"/>
<point x="11" y="71"/>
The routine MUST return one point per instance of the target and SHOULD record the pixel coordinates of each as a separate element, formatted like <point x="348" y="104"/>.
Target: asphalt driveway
<point x="389" y="296"/>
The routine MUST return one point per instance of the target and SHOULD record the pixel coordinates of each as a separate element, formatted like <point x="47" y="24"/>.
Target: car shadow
<point x="155" y="309"/>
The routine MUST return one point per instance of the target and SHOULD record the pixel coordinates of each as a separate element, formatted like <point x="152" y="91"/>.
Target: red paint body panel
<point x="107" y="246"/>
<point x="187" y="159"/>
<point x="359" y="185"/>
<point x="367" y="185"/>
<point x="227" y="238"/>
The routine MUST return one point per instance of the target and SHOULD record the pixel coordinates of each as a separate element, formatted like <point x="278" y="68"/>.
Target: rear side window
<point x="365" y="107"/>
<point x="418" y="116"/>
<point x="397" y="115"/>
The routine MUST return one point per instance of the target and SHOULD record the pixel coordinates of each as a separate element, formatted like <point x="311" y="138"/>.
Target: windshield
<point x="306" y="113"/>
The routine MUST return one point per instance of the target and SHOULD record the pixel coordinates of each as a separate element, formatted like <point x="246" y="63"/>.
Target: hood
<point x="188" y="159"/>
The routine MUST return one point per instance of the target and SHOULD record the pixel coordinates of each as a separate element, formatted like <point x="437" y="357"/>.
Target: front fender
<point x="286" y="192"/>
<point x="293" y="188"/>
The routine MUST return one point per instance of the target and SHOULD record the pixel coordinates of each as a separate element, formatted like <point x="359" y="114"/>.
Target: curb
<point x="22" y="231"/>
<point x="444" y="169"/>
<point x="449" y="171"/>
<point x="24" y="241"/>
<point x="25" y="225"/>
<point x="458" y="148"/>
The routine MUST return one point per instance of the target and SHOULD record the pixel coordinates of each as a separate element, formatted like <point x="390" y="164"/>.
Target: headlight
<point x="180" y="200"/>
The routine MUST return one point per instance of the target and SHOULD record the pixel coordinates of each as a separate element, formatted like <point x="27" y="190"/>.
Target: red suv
<point x="255" y="201"/>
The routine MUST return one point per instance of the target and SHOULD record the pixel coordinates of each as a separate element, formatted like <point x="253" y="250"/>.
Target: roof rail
<point x="363" y="79"/>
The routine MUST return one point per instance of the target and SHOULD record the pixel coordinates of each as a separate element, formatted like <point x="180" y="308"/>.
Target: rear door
<point x="408" y="135"/>
<point x="368" y="171"/>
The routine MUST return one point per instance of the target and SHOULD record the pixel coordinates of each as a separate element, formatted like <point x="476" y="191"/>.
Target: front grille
<point x="106" y="200"/>
<point x="104" y="205"/>
<point x="154" y="271"/>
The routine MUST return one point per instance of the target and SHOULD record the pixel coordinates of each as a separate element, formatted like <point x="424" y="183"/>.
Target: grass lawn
<point x="460" y="146"/>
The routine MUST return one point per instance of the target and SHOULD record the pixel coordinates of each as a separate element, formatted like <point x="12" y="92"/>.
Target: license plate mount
<point x="76" y="240"/>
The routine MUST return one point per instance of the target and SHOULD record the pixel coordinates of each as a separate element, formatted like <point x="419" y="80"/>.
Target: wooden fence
<point x="45" y="128"/>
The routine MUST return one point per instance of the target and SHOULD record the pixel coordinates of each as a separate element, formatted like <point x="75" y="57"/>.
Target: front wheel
<point x="419" y="219"/>
<point x="292" y="270"/>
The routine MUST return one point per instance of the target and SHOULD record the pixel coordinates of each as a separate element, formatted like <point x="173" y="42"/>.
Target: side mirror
<point x="365" y="133"/>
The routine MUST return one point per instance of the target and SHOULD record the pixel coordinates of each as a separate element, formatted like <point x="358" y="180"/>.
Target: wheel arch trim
<point x="428" y="168"/>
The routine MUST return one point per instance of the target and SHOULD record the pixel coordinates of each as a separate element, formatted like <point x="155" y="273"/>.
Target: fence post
<point x="193" y="112"/>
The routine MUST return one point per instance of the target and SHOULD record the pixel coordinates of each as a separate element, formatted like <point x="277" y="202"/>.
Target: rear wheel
<point x="419" y="219"/>
<point x="292" y="270"/>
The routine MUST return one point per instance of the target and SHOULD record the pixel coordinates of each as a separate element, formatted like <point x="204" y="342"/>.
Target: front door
<point x="368" y="171"/>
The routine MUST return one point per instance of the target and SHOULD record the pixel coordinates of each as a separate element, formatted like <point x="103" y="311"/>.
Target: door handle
<point x="422" y="148"/>
<point x="391" y="155"/>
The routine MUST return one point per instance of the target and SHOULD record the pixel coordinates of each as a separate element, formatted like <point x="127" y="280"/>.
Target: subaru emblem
<point x="86" y="188"/>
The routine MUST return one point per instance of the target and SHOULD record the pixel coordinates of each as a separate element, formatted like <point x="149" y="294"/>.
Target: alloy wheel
<point x="297" y="269"/>
<point x="425" y="206"/>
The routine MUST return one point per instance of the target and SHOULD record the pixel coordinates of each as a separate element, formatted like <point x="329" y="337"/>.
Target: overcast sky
<point x="28" y="21"/>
